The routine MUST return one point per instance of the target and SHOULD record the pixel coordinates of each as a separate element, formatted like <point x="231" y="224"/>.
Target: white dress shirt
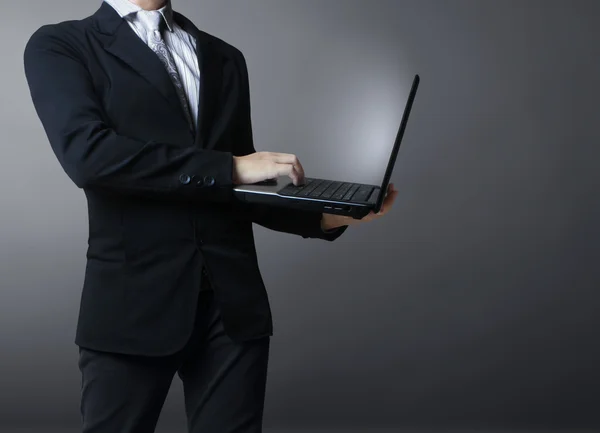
<point x="181" y="44"/>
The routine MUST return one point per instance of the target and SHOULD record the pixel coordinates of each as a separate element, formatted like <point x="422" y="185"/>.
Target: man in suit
<point x="150" y="117"/>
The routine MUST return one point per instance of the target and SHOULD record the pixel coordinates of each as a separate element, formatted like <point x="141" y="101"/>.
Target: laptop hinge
<point x="374" y="194"/>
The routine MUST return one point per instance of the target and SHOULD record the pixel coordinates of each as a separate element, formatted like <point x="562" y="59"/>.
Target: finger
<point x="387" y="203"/>
<point x="393" y="196"/>
<point x="277" y="170"/>
<point x="283" y="158"/>
<point x="348" y="220"/>
<point x="289" y="170"/>
<point x="287" y="158"/>
<point x="387" y="192"/>
<point x="390" y="199"/>
<point x="298" y="176"/>
<point x="299" y="171"/>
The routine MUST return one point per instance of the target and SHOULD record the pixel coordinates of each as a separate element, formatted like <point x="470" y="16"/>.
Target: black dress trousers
<point x="224" y="382"/>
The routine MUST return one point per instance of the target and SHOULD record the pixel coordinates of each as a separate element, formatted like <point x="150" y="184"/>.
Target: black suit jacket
<point x="160" y="199"/>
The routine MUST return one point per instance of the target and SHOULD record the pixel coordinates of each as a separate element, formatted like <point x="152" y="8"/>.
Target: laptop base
<point x="266" y="193"/>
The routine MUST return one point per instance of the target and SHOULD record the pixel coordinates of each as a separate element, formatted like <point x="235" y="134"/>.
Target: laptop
<point x="324" y="195"/>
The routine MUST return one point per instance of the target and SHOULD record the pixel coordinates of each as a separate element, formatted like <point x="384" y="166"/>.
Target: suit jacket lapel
<point x="210" y="89"/>
<point x="210" y="62"/>
<point x="122" y="42"/>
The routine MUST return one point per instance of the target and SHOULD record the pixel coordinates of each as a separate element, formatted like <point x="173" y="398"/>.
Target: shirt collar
<point x="128" y="10"/>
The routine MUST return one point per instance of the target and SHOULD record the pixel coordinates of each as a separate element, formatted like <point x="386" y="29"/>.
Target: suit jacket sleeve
<point x="303" y="223"/>
<point x="92" y="154"/>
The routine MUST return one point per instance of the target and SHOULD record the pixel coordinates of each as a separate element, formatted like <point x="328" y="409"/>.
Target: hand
<point x="331" y="221"/>
<point x="259" y="166"/>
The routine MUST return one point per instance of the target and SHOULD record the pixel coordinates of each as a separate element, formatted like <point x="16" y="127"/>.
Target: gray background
<point x="473" y="303"/>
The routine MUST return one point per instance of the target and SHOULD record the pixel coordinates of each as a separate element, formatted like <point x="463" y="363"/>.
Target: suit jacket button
<point x="209" y="180"/>
<point x="200" y="183"/>
<point x="185" y="179"/>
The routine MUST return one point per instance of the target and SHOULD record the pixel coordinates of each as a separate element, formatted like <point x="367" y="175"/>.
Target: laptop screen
<point x="392" y="161"/>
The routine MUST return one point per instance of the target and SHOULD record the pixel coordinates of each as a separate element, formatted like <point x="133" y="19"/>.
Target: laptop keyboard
<point x="328" y="190"/>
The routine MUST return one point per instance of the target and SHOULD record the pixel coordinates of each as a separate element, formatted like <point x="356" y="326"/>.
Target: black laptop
<point x="328" y="196"/>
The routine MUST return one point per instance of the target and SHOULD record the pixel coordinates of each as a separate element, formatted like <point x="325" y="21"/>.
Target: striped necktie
<point x="154" y="24"/>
